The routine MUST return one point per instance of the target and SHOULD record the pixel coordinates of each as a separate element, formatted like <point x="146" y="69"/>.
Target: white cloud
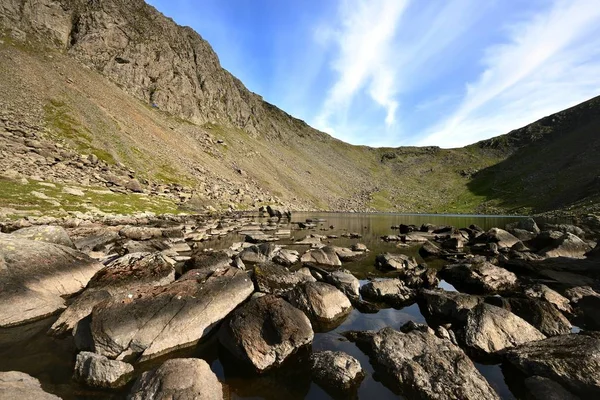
<point x="548" y="63"/>
<point x="364" y="41"/>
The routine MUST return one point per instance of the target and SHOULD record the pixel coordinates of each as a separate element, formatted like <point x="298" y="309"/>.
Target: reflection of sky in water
<point x="446" y="286"/>
<point x="575" y="329"/>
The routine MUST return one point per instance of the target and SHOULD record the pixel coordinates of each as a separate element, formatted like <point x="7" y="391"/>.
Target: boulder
<point x="359" y="247"/>
<point x="346" y="255"/>
<point x="321" y="302"/>
<point x="420" y="365"/>
<point x="447" y="307"/>
<point x="46" y="233"/>
<point x="543" y="292"/>
<point x="35" y="275"/>
<point x="542" y="315"/>
<point x="98" y="371"/>
<point x="398" y="262"/>
<point x="489" y="329"/>
<point x="420" y="277"/>
<point x="19" y="385"/>
<point x="529" y="225"/>
<point x="140" y="232"/>
<point x="572" y="361"/>
<point x="286" y="257"/>
<point x="178" y="378"/>
<point x="344" y="281"/>
<point x="273" y="278"/>
<point x="265" y="331"/>
<point x="96" y="239"/>
<point x="567" y="245"/>
<point x="499" y="236"/>
<point x="207" y="261"/>
<point x="479" y="278"/>
<point x="336" y="372"/>
<point x="324" y="256"/>
<point x="259" y="253"/>
<point x="391" y="291"/>
<point x="152" y="321"/>
<point x="134" y="186"/>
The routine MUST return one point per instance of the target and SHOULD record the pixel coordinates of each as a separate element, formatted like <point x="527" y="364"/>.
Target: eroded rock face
<point x="46" y="233"/>
<point x="391" y="291"/>
<point x="155" y="320"/>
<point x="336" y="372"/>
<point x="35" y="274"/>
<point x="480" y="278"/>
<point x="570" y="360"/>
<point x="18" y="385"/>
<point x="489" y="329"/>
<point x="422" y="366"/>
<point x="98" y="371"/>
<point x="321" y="302"/>
<point x="265" y="331"/>
<point x="178" y="378"/>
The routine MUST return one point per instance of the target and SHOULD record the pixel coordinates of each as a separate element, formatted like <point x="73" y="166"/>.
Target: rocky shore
<point x="130" y="290"/>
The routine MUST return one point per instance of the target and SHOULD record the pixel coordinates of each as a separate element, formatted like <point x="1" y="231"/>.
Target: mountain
<point x="111" y="106"/>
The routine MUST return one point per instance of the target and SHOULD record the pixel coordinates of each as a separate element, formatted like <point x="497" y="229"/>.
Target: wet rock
<point x="265" y="331"/>
<point x="310" y="240"/>
<point x="273" y="278"/>
<point x="324" y="256"/>
<point x="166" y="318"/>
<point x="98" y="371"/>
<point x="259" y="253"/>
<point x="444" y="306"/>
<point x="34" y="276"/>
<point x="178" y="378"/>
<point x="359" y="247"/>
<point x="499" y="236"/>
<point x="454" y="243"/>
<point x="398" y="262"/>
<point x="430" y="250"/>
<point x="391" y="291"/>
<point x="321" y="302"/>
<point x="572" y="361"/>
<point x="96" y="240"/>
<point x="420" y="277"/>
<point x="422" y="366"/>
<point x="19" y="385"/>
<point x="567" y="245"/>
<point x="336" y="372"/>
<point x="542" y="315"/>
<point x="209" y="261"/>
<point x="46" y="233"/>
<point x="344" y="281"/>
<point x="546" y="389"/>
<point x="543" y="292"/>
<point x="140" y="232"/>
<point x="489" y="329"/>
<point x="286" y="257"/>
<point x="347" y="255"/>
<point x="480" y="278"/>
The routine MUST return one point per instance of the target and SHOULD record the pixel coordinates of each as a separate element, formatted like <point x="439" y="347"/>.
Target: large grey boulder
<point x="273" y="278"/>
<point x="321" y="302"/>
<point x="98" y="371"/>
<point x="344" y="281"/>
<point x="140" y="232"/>
<point x="420" y="365"/>
<point x="286" y="257"/>
<point x="567" y="245"/>
<point x="207" y="261"/>
<point x="265" y="331"/>
<point x="543" y="292"/>
<point x="152" y="321"/>
<point x="391" y="291"/>
<point x="398" y="262"/>
<point x="499" y="236"/>
<point x="447" y="307"/>
<point x="336" y="372"/>
<point x="19" y="385"/>
<point x="489" y="329"/>
<point x="178" y="378"/>
<point x="45" y="233"/>
<point x="123" y="274"/>
<point x="480" y="278"/>
<point x="35" y="275"/>
<point x="259" y="253"/>
<point x="324" y="256"/>
<point x="571" y="360"/>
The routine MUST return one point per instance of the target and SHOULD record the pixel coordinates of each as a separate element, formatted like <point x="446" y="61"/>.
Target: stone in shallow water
<point x="480" y="278"/>
<point x="98" y="371"/>
<point x="323" y="256"/>
<point x="398" y="262"/>
<point x="420" y="365"/>
<point x="321" y="302"/>
<point x="336" y="372"/>
<point x="391" y="291"/>
<point x="179" y="378"/>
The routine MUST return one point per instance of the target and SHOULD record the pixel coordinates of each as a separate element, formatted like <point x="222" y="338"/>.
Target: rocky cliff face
<point x="161" y="63"/>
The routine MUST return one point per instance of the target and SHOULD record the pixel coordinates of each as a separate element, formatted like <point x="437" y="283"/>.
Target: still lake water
<point x="30" y="350"/>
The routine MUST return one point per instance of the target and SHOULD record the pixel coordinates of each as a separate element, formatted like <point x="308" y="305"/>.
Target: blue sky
<point x="406" y="72"/>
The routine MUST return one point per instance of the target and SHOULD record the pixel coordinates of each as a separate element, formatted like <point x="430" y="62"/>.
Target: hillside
<point x="116" y="101"/>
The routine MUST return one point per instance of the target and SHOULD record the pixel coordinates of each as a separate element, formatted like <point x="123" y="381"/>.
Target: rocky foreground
<point x="133" y="289"/>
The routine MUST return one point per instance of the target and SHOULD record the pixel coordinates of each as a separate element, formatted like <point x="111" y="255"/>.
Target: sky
<point x="406" y="72"/>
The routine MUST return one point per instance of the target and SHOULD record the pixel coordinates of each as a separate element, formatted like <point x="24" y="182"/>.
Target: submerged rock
<point x="265" y="331"/>
<point x="420" y="365"/>
<point x="178" y="378"/>
<point x="98" y="371"/>
<point x="572" y="360"/>
<point x="19" y="385"/>
<point x="155" y="320"/>
<point x="336" y="372"/>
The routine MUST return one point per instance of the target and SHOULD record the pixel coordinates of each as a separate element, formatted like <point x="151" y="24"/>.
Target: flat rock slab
<point x="35" y="274"/>
<point x="46" y="233"/>
<point x="571" y="360"/>
<point x="179" y="378"/>
<point x="155" y="320"/>
<point x="20" y="386"/>
<point x="419" y="365"/>
<point x="265" y="331"/>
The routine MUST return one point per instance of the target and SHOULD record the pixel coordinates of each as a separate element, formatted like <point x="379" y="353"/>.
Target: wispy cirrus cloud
<point x="547" y="63"/>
